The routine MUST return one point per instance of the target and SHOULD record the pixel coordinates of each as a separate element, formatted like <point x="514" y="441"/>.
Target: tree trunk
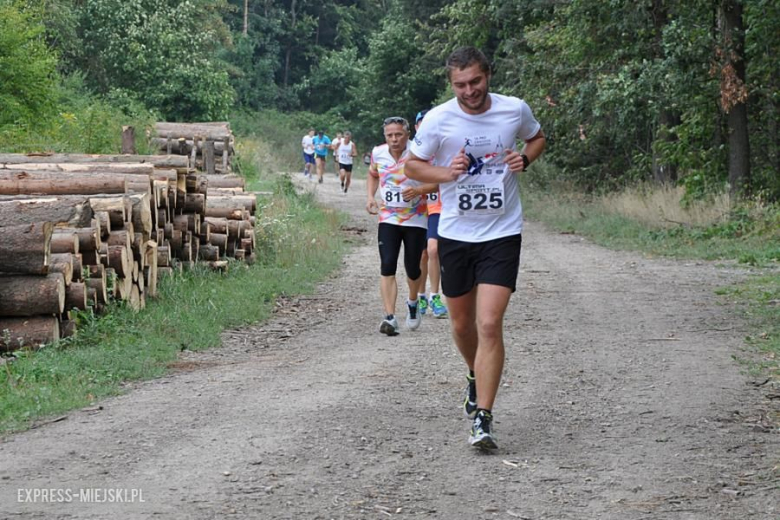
<point x="16" y="182"/>
<point x="83" y="169"/>
<point x="209" y="158"/>
<point x="734" y="96"/>
<point x="128" y="139"/>
<point x="158" y="161"/>
<point x="32" y="295"/>
<point x="74" y="212"/>
<point x="25" y="249"/>
<point x="16" y="333"/>
<point x="215" y="131"/>
<point x="288" y="53"/>
<point x="63" y="263"/>
<point x="76" y="296"/>
<point x="245" y="30"/>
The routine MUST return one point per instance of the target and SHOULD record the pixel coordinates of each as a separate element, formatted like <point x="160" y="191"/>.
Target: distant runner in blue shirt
<point x="321" y="146"/>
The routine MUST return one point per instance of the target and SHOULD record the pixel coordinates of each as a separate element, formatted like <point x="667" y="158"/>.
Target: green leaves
<point x="27" y="66"/>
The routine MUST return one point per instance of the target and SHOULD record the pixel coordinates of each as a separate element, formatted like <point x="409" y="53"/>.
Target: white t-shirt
<point x="344" y="152"/>
<point x="483" y="204"/>
<point x="335" y="144"/>
<point x="308" y="144"/>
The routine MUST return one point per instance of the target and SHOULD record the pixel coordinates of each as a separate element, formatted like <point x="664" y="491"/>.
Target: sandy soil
<point x="620" y="400"/>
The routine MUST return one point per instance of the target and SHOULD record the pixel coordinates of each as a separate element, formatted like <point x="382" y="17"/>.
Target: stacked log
<point x="78" y="231"/>
<point x="210" y="146"/>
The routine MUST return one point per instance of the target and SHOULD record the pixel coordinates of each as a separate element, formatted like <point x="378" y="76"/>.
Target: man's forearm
<point x="422" y="171"/>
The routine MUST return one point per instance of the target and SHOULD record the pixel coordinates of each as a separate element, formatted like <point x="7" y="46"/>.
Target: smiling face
<point x="470" y="86"/>
<point x="396" y="137"/>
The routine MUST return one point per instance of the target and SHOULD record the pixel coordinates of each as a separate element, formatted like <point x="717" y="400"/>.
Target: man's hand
<point x="372" y="207"/>
<point x="410" y="193"/>
<point x="459" y="165"/>
<point x="514" y="160"/>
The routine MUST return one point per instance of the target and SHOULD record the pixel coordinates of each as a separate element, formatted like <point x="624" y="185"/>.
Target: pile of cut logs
<point x="77" y="231"/>
<point x="210" y="146"/>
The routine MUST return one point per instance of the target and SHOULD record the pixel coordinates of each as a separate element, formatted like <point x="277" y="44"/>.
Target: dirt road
<point x="620" y="400"/>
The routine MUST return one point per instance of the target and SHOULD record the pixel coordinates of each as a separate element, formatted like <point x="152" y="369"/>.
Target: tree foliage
<point x="27" y="66"/>
<point x="626" y="91"/>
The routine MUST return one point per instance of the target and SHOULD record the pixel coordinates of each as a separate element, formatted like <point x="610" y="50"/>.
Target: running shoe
<point x="389" y="326"/>
<point x="422" y="304"/>
<point x="320" y="181"/>
<point x="482" y="431"/>
<point x="438" y="309"/>
<point x="342" y="186"/>
<point x="413" y="317"/>
<point x="470" y="401"/>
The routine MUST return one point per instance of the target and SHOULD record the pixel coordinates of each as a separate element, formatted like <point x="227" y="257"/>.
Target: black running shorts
<point x="466" y="264"/>
<point x="391" y="236"/>
<point x="346" y="167"/>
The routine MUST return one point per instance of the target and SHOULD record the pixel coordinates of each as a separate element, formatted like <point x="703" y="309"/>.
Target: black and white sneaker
<point x="482" y="431"/>
<point x="389" y="326"/>
<point x="470" y="401"/>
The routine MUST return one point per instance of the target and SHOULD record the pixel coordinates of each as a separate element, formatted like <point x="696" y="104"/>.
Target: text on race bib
<point x="480" y="199"/>
<point x="391" y="196"/>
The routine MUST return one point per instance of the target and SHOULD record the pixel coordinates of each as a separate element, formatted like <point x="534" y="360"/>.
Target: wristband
<point x="526" y="162"/>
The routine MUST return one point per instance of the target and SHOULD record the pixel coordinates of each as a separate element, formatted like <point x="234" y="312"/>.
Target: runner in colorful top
<point x="402" y="220"/>
<point x="345" y="153"/>
<point x="473" y="138"/>
<point x="321" y="146"/>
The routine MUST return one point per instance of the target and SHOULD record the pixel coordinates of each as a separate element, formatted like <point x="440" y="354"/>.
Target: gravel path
<point x="620" y="400"/>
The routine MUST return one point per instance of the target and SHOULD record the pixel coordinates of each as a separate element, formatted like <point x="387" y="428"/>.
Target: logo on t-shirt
<point x="489" y="163"/>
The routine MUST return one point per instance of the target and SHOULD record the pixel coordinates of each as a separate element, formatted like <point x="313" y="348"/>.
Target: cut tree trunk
<point x="214" y="131"/>
<point x="72" y="212"/>
<point x="158" y="161"/>
<point x="76" y="296"/>
<point x="16" y="333"/>
<point x="82" y="169"/>
<point x="62" y="263"/>
<point x="25" y="249"/>
<point x="32" y="295"/>
<point x="17" y="182"/>
<point x="65" y="242"/>
<point x="128" y="139"/>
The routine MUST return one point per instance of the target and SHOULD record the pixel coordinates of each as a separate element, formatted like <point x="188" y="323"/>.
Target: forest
<point x="657" y="91"/>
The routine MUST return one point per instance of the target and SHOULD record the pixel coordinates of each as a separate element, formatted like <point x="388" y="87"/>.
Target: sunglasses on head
<point x="396" y="120"/>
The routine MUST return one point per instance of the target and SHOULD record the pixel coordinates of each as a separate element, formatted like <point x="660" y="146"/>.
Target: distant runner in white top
<point x="308" y="152"/>
<point x="345" y="153"/>
<point x="335" y="147"/>
<point x="473" y="138"/>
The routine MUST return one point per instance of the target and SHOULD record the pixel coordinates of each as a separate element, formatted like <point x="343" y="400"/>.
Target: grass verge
<point x="298" y="244"/>
<point x="658" y="223"/>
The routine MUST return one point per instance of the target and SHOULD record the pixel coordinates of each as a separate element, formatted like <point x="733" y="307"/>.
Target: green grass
<point x="744" y="237"/>
<point x="759" y="299"/>
<point x="298" y="245"/>
<point x="749" y="235"/>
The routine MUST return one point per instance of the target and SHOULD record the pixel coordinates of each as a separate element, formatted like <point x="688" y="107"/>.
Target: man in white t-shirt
<point x="345" y="154"/>
<point x="335" y="147"/>
<point x="308" y="152"/>
<point x="473" y="138"/>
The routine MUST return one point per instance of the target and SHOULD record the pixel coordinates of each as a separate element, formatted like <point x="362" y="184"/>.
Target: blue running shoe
<point x="438" y="309"/>
<point x="422" y="304"/>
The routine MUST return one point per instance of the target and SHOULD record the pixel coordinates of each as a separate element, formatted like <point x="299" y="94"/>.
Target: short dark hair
<point x="465" y="57"/>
